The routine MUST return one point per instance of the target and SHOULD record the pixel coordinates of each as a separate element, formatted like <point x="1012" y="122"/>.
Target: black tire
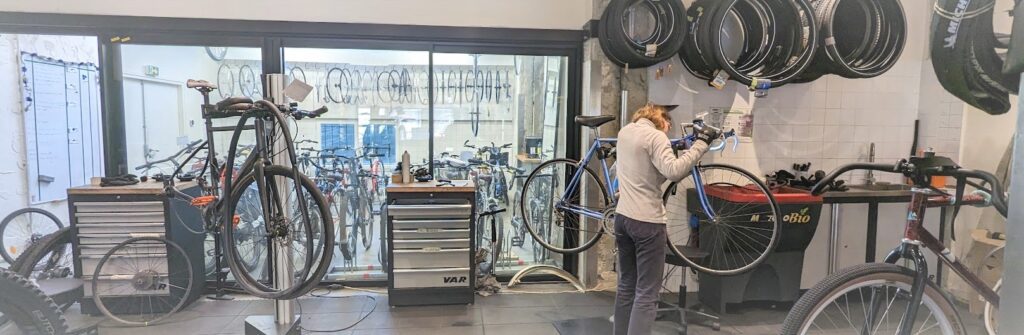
<point x="131" y="302"/>
<point x="6" y="228"/>
<point x="740" y="233"/>
<point x="307" y="280"/>
<point x="30" y="309"/>
<point x="854" y="278"/>
<point x="48" y="258"/>
<point x="595" y="232"/>
<point x="338" y="204"/>
<point x="669" y="35"/>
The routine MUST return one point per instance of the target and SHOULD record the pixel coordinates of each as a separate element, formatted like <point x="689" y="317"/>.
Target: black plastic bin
<point x="778" y="278"/>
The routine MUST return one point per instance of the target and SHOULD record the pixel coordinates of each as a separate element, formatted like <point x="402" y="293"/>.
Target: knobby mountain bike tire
<point x="263" y="287"/>
<point x="836" y="292"/>
<point x="14" y="240"/>
<point x="567" y="235"/>
<point x="50" y="257"/>
<point x="28" y="307"/>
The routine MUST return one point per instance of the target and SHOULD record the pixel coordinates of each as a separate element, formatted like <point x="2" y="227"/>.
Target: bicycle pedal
<point x="203" y="201"/>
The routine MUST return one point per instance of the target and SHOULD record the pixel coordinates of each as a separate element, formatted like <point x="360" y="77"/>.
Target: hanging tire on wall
<point x="856" y="38"/>
<point x="638" y="34"/>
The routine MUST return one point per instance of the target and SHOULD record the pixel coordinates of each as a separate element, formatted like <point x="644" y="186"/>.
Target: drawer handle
<point x="428" y="230"/>
<point x="431" y="249"/>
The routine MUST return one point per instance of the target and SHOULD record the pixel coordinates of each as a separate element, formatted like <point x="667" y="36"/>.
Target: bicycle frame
<point x="916" y="236"/>
<point x="596" y="149"/>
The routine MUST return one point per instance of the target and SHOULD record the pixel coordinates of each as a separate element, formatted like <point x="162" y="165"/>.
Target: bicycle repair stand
<point x="221" y="276"/>
<point x="284" y="321"/>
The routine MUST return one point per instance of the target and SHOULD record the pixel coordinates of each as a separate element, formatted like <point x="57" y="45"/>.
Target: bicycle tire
<point x="705" y="264"/>
<point x="248" y="84"/>
<point x="846" y="280"/>
<point x="30" y="263"/>
<point x="8" y="254"/>
<point x="337" y="203"/>
<point x="225" y="81"/>
<point x="367" y="218"/>
<point x="530" y="225"/>
<point x="148" y="282"/>
<point x="336" y="96"/>
<point x="308" y="279"/>
<point x="28" y="307"/>
<point x="991" y="314"/>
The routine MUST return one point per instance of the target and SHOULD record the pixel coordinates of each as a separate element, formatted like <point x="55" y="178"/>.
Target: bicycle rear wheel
<point x="308" y="243"/>
<point x="24" y="227"/>
<point x="49" y="258"/>
<point x="564" y="230"/>
<point x="142" y="281"/>
<point x="726" y="234"/>
<point x="870" y="298"/>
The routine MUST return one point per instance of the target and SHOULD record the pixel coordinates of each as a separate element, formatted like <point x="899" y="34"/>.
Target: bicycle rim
<point x="20" y="229"/>
<point x="992" y="313"/>
<point x="562" y="230"/>
<point x="736" y="236"/>
<point x="142" y="281"/>
<point x="843" y="302"/>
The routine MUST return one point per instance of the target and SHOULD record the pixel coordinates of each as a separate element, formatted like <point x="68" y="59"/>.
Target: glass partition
<point x="496" y="117"/>
<point x="378" y="109"/>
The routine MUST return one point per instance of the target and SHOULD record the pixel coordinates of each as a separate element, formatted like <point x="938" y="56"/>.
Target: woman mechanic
<point x="645" y="161"/>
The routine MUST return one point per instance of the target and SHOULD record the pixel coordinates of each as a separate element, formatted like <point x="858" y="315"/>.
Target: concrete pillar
<point x="1011" y="295"/>
<point x="602" y="92"/>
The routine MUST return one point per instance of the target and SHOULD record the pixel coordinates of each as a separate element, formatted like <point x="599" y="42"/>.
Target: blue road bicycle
<point x="722" y="219"/>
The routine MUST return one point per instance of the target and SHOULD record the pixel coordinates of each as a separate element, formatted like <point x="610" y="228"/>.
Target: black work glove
<point x="708" y="135"/>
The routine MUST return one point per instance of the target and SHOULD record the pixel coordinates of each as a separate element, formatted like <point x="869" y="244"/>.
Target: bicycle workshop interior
<point x="451" y="167"/>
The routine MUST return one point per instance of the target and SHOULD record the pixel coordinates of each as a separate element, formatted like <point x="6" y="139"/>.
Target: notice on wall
<point x="739" y="119"/>
<point x="61" y="105"/>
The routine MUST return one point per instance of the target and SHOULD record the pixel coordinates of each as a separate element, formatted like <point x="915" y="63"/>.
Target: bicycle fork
<point x="910" y="250"/>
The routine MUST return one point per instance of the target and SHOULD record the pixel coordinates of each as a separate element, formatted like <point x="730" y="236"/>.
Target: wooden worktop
<point x="431" y="187"/>
<point x="144" y="188"/>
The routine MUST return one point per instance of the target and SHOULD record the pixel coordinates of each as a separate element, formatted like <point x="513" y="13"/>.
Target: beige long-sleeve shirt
<point x="645" y="160"/>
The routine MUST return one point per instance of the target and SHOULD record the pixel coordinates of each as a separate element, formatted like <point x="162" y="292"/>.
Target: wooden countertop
<point x="431" y="187"/>
<point x="145" y="188"/>
<point x="522" y="157"/>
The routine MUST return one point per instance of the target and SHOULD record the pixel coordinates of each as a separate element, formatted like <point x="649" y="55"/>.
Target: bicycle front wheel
<point x="726" y="226"/>
<point x="24" y="227"/>
<point x="568" y="224"/>
<point x="870" y="298"/>
<point x="309" y="239"/>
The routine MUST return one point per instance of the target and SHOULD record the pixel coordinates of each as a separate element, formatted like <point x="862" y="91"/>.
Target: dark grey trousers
<point x="641" y="267"/>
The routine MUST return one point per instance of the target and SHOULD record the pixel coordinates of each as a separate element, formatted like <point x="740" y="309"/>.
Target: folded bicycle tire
<point x="668" y="35"/>
<point x="1015" y="56"/>
<point x="964" y="56"/>
<point x="857" y="38"/>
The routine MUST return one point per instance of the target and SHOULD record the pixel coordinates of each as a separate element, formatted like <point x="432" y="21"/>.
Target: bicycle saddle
<point x="192" y="83"/>
<point x="594" y="121"/>
<point x="235" y="103"/>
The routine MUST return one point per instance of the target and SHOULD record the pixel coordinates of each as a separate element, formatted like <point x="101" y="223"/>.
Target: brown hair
<point x="656" y="114"/>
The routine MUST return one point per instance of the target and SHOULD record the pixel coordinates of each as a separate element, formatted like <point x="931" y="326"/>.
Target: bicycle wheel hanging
<point x="248" y="82"/>
<point x="225" y="81"/>
<point x="870" y="298"/>
<point x="297" y="73"/>
<point x="336" y="85"/>
<point x="142" y="281"/>
<point x="24" y="227"/>
<point x="564" y="230"/>
<point x="296" y="232"/>
<point x="638" y="34"/>
<point x="725" y="237"/>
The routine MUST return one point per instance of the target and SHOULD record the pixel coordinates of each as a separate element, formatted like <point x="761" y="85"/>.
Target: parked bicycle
<point x="300" y="223"/>
<point x="713" y="236"/>
<point x="893" y="299"/>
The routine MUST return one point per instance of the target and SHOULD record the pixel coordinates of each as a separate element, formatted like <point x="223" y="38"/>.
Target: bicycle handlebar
<point x="186" y="149"/>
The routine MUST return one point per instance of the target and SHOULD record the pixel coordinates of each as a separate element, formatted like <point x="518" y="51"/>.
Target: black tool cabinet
<point x="431" y="249"/>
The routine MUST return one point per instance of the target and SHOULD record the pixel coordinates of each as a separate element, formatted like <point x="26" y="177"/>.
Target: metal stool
<point x="679" y="308"/>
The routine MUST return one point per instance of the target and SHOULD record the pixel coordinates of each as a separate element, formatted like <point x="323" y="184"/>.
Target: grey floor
<point x="518" y="314"/>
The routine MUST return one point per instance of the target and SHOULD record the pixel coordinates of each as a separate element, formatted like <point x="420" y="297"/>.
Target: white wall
<point x="831" y="122"/>
<point x="13" y="174"/>
<point x="546" y="14"/>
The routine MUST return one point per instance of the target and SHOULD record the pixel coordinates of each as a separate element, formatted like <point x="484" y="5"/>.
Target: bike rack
<point x="548" y="269"/>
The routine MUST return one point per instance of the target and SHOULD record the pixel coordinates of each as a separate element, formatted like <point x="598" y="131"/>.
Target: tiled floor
<point x="514" y="314"/>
